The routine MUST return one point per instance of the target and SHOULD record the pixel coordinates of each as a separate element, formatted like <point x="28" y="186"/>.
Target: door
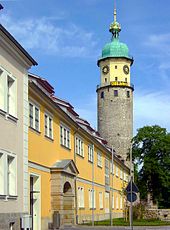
<point x="35" y="202"/>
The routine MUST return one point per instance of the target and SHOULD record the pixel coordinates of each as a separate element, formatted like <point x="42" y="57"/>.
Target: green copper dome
<point x="115" y="48"/>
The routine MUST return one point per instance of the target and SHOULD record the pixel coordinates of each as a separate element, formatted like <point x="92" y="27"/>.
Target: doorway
<point x="35" y="201"/>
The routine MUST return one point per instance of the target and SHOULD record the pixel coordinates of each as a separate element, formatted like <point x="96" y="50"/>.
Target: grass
<point x="122" y="222"/>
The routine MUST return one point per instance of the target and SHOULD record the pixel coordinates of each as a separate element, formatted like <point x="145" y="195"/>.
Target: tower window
<point x="105" y="79"/>
<point x="128" y="94"/>
<point x="126" y="79"/>
<point x="116" y="78"/>
<point x="116" y="93"/>
<point x="115" y="66"/>
<point x="102" y="94"/>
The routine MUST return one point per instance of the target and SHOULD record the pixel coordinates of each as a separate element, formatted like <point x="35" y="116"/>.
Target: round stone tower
<point x="115" y="94"/>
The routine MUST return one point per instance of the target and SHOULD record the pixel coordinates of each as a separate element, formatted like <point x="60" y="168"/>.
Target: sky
<point x="66" y="38"/>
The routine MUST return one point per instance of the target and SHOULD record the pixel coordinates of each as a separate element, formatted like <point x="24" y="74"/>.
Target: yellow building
<point x="69" y="163"/>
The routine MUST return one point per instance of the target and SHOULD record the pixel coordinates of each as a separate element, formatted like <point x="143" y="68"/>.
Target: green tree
<point x="151" y="153"/>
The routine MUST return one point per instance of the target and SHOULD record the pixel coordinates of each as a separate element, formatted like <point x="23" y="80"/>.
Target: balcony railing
<point x="116" y="83"/>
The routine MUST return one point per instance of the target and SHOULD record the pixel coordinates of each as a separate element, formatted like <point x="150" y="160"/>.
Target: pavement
<point x="116" y="228"/>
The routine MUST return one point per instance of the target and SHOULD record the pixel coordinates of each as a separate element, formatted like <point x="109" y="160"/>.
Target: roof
<point x="62" y="164"/>
<point x="18" y="45"/>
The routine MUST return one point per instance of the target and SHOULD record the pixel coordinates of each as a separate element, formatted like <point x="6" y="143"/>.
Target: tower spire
<point x="115" y="27"/>
<point x="115" y="13"/>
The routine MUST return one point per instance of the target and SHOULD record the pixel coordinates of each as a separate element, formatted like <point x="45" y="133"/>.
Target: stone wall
<point x="115" y="118"/>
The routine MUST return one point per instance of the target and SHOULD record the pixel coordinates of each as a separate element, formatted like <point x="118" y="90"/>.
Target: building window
<point x="34" y="117"/>
<point x="116" y="78"/>
<point x="80" y="197"/>
<point x="48" y="122"/>
<point x="92" y="199"/>
<point x="116" y="93"/>
<point x="121" y="202"/>
<point x="8" y="93"/>
<point x="107" y="178"/>
<point x="102" y="94"/>
<point x="115" y="66"/>
<point x="65" y="136"/>
<point x="113" y="202"/>
<point x="90" y="153"/>
<point x="125" y="79"/>
<point x="8" y="175"/>
<point x="128" y="94"/>
<point x="11" y="175"/>
<point x="100" y="200"/>
<point x="79" y="146"/>
<point x="117" y="171"/>
<point x="11" y="96"/>
<point x="2" y="174"/>
<point x="99" y="159"/>
<point x="117" y="202"/>
<point x="105" y="79"/>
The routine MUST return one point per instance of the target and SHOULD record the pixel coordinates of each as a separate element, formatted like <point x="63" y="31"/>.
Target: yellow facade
<point x="115" y="72"/>
<point x="44" y="152"/>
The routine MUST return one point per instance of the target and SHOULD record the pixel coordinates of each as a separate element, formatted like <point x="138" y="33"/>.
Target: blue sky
<point x="66" y="38"/>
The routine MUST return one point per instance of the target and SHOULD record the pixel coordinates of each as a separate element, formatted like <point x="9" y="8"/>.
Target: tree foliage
<point x="151" y="153"/>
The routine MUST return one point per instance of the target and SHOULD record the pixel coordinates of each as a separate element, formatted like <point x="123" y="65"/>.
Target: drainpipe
<point x="93" y="189"/>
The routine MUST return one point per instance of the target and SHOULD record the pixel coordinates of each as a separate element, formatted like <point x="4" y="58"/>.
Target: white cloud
<point x="159" y="43"/>
<point x="46" y="35"/>
<point x="152" y="108"/>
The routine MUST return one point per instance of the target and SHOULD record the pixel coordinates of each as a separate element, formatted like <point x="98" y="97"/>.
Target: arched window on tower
<point x="116" y="78"/>
<point x="128" y="94"/>
<point x="102" y="94"/>
<point x="105" y="79"/>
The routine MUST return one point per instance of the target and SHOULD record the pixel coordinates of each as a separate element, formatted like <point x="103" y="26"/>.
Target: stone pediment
<point x="67" y="166"/>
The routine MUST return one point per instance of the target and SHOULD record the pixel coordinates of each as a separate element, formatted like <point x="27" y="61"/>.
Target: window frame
<point x="99" y="159"/>
<point x="47" y="126"/>
<point x="101" y="206"/>
<point x="65" y="136"/>
<point x="79" y="146"/>
<point x="6" y="105"/>
<point x="8" y="191"/>
<point x="34" y="106"/>
<point x="80" y="194"/>
<point x="90" y="153"/>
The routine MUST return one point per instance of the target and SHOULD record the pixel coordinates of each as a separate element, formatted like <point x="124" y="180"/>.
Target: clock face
<point x="105" y="69"/>
<point x="126" y="69"/>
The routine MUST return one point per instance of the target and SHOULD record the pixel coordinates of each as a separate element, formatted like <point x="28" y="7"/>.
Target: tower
<point x="115" y="93"/>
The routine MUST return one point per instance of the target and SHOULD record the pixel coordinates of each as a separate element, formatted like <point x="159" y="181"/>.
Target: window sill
<point x="80" y="156"/>
<point x="36" y="131"/>
<point x="49" y="138"/>
<point x="8" y="116"/>
<point x="8" y="197"/>
<point x="99" y="166"/>
<point x="82" y="208"/>
<point x="65" y="147"/>
<point x="91" y="162"/>
<point x="12" y="197"/>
